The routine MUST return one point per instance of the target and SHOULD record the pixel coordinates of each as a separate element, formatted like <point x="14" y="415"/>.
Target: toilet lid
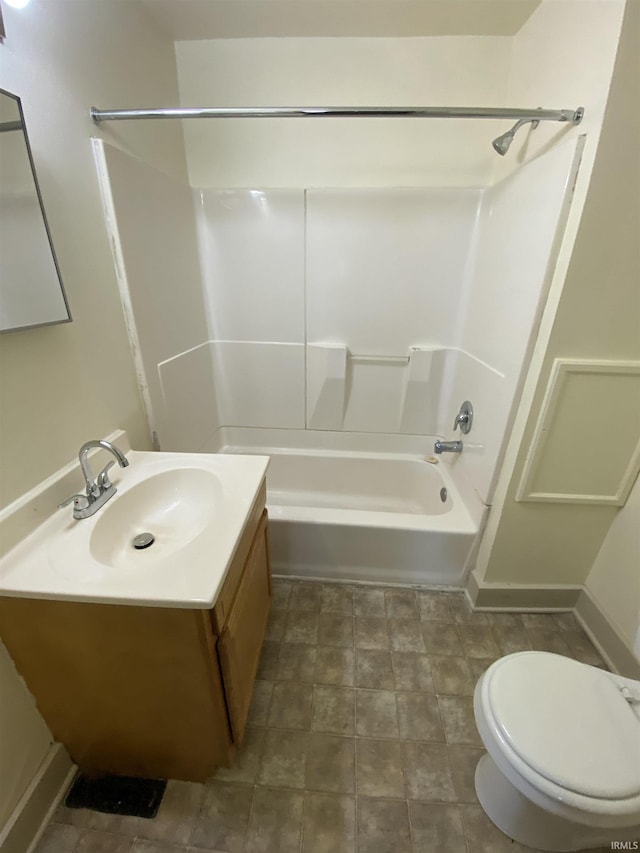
<point x="568" y="722"/>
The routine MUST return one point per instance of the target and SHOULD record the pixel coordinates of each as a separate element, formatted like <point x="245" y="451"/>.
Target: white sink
<point x="194" y="505"/>
<point x="175" y="507"/>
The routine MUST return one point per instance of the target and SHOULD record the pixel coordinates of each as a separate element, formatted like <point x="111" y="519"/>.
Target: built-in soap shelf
<point x="377" y="359"/>
<point x="368" y="392"/>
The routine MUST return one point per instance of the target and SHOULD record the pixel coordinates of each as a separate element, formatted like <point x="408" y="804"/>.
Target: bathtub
<point x="380" y="518"/>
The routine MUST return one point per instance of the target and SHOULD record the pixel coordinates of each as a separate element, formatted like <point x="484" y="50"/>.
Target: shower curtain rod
<point x="573" y="116"/>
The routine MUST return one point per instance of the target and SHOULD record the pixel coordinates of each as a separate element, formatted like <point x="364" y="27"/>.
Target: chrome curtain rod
<point x="572" y="116"/>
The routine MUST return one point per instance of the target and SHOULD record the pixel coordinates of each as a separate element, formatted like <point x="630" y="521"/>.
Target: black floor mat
<point x="117" y="795"/>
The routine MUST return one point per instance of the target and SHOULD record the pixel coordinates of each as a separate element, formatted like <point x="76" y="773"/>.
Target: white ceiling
<point x="185" y="20"/>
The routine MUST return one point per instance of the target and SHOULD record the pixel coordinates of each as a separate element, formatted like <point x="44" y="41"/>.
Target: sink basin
<point x="175" y="507"/>
<point x="194" y="505"/>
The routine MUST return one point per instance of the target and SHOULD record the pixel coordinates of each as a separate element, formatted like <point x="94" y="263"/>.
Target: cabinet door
<point x="241" y="640"/>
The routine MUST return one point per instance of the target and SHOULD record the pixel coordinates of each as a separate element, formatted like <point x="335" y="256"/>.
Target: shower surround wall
<point x="336" y="312"/>
<point x="521" y="224"/>
<point x="150" y="220"/>
<point x="380" y="310"/>
<point x="332" y="308"/>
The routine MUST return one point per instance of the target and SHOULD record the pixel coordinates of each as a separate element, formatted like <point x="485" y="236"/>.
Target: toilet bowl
<point x="562" y="771"/>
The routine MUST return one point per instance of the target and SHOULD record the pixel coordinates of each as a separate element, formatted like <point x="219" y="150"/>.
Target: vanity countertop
<point x="196" y="505"/>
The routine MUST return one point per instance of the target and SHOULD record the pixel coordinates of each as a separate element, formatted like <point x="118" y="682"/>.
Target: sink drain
<point x="142" y="541"/>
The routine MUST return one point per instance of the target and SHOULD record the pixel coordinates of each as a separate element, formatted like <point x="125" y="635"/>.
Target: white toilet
<point x="563" y="740"/>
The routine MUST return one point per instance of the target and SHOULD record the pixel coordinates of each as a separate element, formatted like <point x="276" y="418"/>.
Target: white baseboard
<point x="31" y="815"/>
<point x="525" y="597"/>
<point x="605" y="636"/>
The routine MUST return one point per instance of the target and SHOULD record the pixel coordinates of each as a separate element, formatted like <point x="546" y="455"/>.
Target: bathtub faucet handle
<point x="464" y="418"/>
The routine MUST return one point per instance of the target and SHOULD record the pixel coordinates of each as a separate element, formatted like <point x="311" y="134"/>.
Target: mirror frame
<point x="68" y="318"/>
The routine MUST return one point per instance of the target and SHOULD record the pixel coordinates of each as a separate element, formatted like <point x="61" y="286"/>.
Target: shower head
<point x="502" y="143"/>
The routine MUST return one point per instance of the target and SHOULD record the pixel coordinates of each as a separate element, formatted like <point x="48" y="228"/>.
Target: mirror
<point x="31" y="292"/>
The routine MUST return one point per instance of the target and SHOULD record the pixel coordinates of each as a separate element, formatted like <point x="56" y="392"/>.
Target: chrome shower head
<point x="502" y="143"/>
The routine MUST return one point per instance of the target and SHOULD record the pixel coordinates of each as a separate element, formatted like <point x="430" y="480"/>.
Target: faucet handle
<point x="102" y="479"/>
<point x="79" y="502"/>
<point x="464" y="418"/>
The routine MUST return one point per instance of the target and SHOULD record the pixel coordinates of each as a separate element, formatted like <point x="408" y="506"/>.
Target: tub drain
<point x="143" y="540"/>
<point x="443" y="494"/>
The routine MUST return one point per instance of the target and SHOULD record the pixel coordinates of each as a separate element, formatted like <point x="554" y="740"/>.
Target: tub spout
<point x="447" y="446"/>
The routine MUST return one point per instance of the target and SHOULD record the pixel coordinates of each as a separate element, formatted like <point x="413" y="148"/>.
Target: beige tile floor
<point x="361" y="734"/>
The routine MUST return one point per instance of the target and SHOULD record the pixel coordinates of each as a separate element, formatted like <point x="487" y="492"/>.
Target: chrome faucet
<point x="447" y="446"/>
<point x="99" y="490"/>
<point x="464" y="418"/>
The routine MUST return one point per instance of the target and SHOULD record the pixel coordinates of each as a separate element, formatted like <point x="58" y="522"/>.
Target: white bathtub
<point x="365" y="517"/>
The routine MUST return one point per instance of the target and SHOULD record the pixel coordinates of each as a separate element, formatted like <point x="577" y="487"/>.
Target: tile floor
<point x="361" y="735"/>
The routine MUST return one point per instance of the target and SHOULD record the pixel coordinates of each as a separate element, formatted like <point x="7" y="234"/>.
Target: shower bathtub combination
<point x="368" y="517"/>
<point x="346" y="513"/>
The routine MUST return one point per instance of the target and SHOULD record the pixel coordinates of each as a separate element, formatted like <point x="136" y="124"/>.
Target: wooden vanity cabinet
<point x="148" y="691"/>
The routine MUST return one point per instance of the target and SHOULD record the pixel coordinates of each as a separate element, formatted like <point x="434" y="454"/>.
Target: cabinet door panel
<point x="241" y="641"/>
